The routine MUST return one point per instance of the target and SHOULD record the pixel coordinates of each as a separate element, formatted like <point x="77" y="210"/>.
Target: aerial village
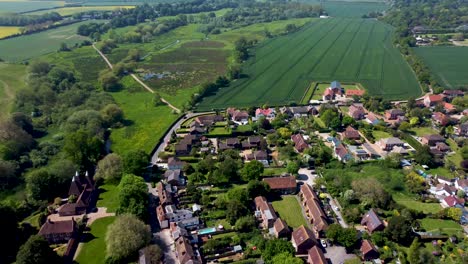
<point x="231" y="184"/>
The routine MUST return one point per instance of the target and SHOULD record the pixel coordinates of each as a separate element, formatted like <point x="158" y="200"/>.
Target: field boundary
<point x="308" y="93"/>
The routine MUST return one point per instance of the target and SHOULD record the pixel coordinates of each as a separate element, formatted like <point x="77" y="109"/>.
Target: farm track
<point x="136" y="79"/>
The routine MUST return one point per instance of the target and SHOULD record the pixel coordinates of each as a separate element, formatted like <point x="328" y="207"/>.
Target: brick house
<point x="432" y="99"/>
<point x="394" y="114"/>
<point x="372" y="222"/>
<point x="315" y="256"/>
<point x="237" y="116"/>
<point x="333" y="92"/>
<point x="299" y="143"/>
<point x="83" y="189"/>
<point x="351" y="134"/>
<point x="264" y="212"/>
<point x="368" y="250"/>
<point x="56" y="232"/>
<point x="185" y="253"/>
<point x="431" y="140"/>
<point x="283" y="185"/>
<point x="281" y="229"/>
<point x="357" y="111"/>
<point x="268" y="113"/>
<point x="389" y="143"/>
<point x="440" y="119"/>
<point x="303" y="239"/>
<point x="314" y="213"/>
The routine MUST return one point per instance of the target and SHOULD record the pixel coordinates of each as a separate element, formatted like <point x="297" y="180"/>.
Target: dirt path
<point x="6" y="100"/>
<point x="109" y="64"/>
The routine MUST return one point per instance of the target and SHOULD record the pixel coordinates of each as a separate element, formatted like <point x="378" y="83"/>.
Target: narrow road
<point x="167" y="137"/>
<point x="109" y="64"/>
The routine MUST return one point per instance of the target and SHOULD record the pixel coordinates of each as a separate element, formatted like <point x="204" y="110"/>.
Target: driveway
<point x="336" y="207"/>
<point x="337" y="254"/>
<point x="307" y="176"/>
<point x="166" y="242"/>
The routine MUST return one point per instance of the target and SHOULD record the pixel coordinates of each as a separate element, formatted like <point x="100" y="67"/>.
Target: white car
<point x="323" y="242"/>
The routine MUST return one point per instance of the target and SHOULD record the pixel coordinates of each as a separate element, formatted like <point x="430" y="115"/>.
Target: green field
<point x="108" y="197"/>
<point x="290" y="211"/>
<point x="352" y="8"/>
<point x="378" y="135"/>
<point x="448" y="64"/>
<point x="348" y="50"/>
<point x="411" y="203"/>
<point x="26" y="6"/>
<point x="422" y="131"/>
<point x="94" y="250"/>
<point x="12" y="78"/>
<point x="444" y="226"/>
<point x="68" y="11"/>
<point x="29" y="46"/>
<point x="9" y="31"/>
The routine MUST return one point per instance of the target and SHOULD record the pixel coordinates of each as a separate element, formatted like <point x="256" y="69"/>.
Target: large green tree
<point x="83" y="148"/>
<point x="135" y="162"/>
<point x="286" y="258"/>
<point x="274" y="247"/>
<point x="252" y="170"/>
<point x="41" y="185"/>
<point x="36" y="251"/>
<point x="110" y="168"/>
<point x="133" y="196"/>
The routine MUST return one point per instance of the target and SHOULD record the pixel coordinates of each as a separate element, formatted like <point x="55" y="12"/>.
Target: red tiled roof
<point x="435" y="97"/>
<point x="316" y="256"/>
<point x="303" y="234"/>
<point x="367" y="247"/>
<point x="452" y="200"/>
<point x="277" y="183"/>
<point x="355" y="92"/>
<point x="57" y="227"/>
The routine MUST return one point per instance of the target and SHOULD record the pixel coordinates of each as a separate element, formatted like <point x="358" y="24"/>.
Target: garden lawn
<point x="411" y="203"/>
<point x="438" y="225"/>
<point x="147" y="123"/>
<point x="108" y="197"/>
<point x="94" y="250"/>
<point x="274" y="171"/>
<point x="290" y="211"/>
<point x="422" y="131"/>
<point x="12" y="79"/>
<point x="380" y="134"/>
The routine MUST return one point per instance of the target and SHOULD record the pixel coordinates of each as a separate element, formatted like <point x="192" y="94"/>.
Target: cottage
<point x="315" y="256"/>
<point x="283" y="185"/>
<point x="351" y="134"/>
<point x="313" y="210"/>
<point x="357" y="111"/>
<point x="174" y="163"/>
<point x="432" y="99"/>
<point x="56" y="232"/>
<point x="372" y="222"/>
<point x="264" y="212"/>
<point x="301" y="111"/>
<point x="368" y="250"/>
<point x="333" y="92"/>
<point x="299" y="143"/>
<point x="83" y="189"/>
<point x="431" y="140"/>
<point x="268" y="113"/>
<point x="443" y="189"/>
<point x="342" y="154"/>
<point x="303" y="239"/>
<point x="281" y="229"/>
<point x="440" y="119"/>
<point x="185" y="253"/>
<point x="394" y="114"/>
<point x="389" y="143"/>
<point x="174" y="177"/>
<point x="449" y="108"/>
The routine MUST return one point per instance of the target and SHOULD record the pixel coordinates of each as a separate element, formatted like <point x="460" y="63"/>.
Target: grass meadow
<point x="12" y="78"/>
<point x="9" y="31"/>
<point x="444" y="226"/>
<point x="290" y="211"/>
<point x="68" y="11"/>
<point x="29" y="46"/>
<point x="413" y="204"/>
<point x="348" y="50"/>
<point x="93" y="250"/>
<point x="448" y="64"/>
<point x="108" y="197"/>
<point x="26" y="6"/>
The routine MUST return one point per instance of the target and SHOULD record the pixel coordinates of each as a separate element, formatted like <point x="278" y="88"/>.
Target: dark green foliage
<point x="10" y="233"/>
<point x="257" y="188"/>
<point x="135" y="162"/>
<point x="246" y="223"/>
<point x="83" y="148"/>
<point x="36" y="251"/>
<point x="274" y="247"/>
<point x="348" y="237"/>
<point x="133" y="196"/>
<point x="235" y="209"/>
<point x="399" y="229"/>
<point x="41" y="185"/>
<point x="252" y="170"/>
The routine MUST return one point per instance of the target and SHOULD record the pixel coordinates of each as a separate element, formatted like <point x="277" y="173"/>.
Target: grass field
<point x="411" y="203"/>
<point x="444" y="226"/>
<point x="352" y="8"/>
<point x="422" y="131"/>
<point x="9" y="31"/>
<point x="380" y="134"/>
<point x="94" y="250"/>
<point x="26" y="6"/>
<point x="108" y="197"/>
<point x="29" y="46"/>
<point x="290" y="211"/>
<point x="448" y="64"/>
<point x="12" y="78"/>
<point x="68" y="11"/>
<point x="347" y="50"/>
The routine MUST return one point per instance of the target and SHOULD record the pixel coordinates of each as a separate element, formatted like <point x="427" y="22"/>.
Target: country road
<point x="109" y="64"/>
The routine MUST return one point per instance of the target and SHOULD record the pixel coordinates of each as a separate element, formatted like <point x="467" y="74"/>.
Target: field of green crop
<point x="448" y="64"/>
<point x="30" y="46"/>
<point x="26" y="6"/>
<point x="348" y="50"/>
<point x="352" y="9"/>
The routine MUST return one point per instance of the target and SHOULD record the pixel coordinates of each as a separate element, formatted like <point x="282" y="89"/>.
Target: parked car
<point x="323" y="242"/>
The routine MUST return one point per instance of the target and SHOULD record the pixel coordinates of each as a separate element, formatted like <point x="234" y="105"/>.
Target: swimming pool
<point x="206" y="231"/>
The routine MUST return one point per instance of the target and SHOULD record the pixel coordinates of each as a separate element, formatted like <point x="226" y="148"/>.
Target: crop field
<point x="68" y="11"/>
<point x="352" y="8"/>
<point x="26" y="6"/>
<point x="8" y="31"/>
<point x="30" y="46"/>
<point x="448" y="64"/>
<point x="347" y="50"/>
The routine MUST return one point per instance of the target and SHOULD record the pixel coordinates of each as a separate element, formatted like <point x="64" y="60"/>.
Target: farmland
<point x="348" y="50"/>
<point x="352" y="9"/>
<point x="26" y="6"/>
<point x="448" y="64"/>
<point x="68" y="11"/>
<point x="8" y="31"/>
<point x="29" y="46"/>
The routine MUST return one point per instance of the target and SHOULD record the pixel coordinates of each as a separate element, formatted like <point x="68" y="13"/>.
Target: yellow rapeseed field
<point x="8" y="31"/>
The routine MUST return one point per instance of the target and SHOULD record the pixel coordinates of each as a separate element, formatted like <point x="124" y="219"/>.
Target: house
<point x="368" y="250"/>
<point x="182" y="149"/>
<point x="333" y="92"/>
<point x="283" y="185"/>
<point x="57" y="232"/>
<point x="461" y="130"/>
<point x="174" y="177"/>
<point x="209" y="120"/>
<point x="162" y="219"/>
<point x="237" y="116"/>
<point x="299" y="143"/>
<point x="449" y="108"/>
<point x="350" y="93"/>
<point x="372" y="119"/>
<point x="443" y="189"/>
<point x="342" y="154"/>
<point x="185" y="253"/>
<point x="357" y="111"/>
<point x="432" y="140"/>
<point x="281" y="229"/>
<point x="303" y="239"/>
<point x="359" y="153"/>
<point x="452" y="201"/>
<point x="301" y="111"/>
<point x="372" y="222"/>
<point x="440" y="119"/>
<point x="259" y="155"/>
<point x="177" y="231"/>
<point x="314" y="213"/>
<point x="445" y="180"/>
<point x="252" y="142"/>
<point x="196" y="129"/>
<point x="389" y="143"/>
<point x="268" y="113"/>
<point x="432" y="99"/>
<point x="462" y="184"/>
<point x="442" y="147"/>
<point x="351" y="134"/>
<point x="264" y="212"/>
<point x="175" y="215"/>
<point x="233" y="143"/>
<point x="165" y="198"/>
<point x="450" y="94"/>
<point x="83" y="189"/>
<point x="315" y="256"/>
<point x="394" y="114"/>
<point x="174" y="163"/>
